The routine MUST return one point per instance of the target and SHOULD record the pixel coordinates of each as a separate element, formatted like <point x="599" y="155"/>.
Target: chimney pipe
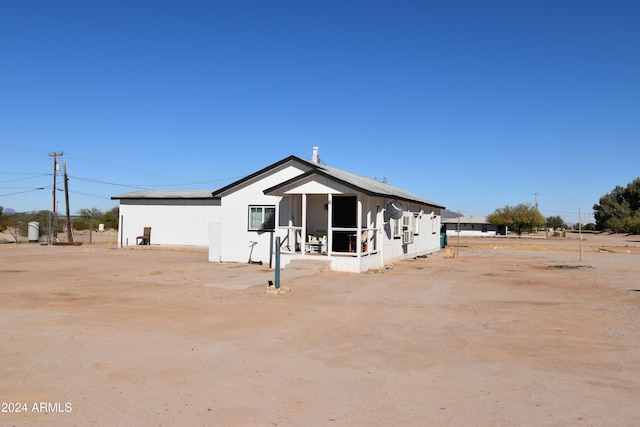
<point x="314" y="157"/>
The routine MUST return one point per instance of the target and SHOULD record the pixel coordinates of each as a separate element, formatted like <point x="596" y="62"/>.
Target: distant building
<point x="469" y="226"/>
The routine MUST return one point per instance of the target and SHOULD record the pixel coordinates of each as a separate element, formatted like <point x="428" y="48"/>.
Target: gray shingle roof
<point x="374" y="187"/>
<point x="473" y="219"/>
<point x="358" y="182"/>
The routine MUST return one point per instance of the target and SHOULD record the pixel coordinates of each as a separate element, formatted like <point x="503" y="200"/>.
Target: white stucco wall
<point x="426" y="241"/>
<point x="235" y="234"/>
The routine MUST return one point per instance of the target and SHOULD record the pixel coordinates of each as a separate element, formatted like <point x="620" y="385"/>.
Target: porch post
<point x="329" y="224"/>
<point x="380" y="234"/>
<point x="290" y="233"/>
<point x="304" y="223"/>
<point x="290" y="216"/>
<point x="359" y="222"/>
<point x="369" y="225"/>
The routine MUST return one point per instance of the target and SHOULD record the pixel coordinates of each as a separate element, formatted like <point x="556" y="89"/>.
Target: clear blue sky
<point x="471" y="104"/>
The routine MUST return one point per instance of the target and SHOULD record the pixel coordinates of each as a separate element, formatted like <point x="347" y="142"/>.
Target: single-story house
<point x="318" y="212"/>
<point x="469" y="226"/>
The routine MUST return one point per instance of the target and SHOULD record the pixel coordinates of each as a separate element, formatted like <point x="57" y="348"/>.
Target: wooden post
<point x="55" y="204"/>
<point x="580" y="232"/>
<point x="66" y="199"/>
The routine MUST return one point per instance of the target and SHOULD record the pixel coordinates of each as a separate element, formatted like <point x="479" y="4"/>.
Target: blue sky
<point x="472" y="104"/>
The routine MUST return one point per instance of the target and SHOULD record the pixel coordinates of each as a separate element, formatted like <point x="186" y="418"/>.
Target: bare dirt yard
<point x="510" y="332"/>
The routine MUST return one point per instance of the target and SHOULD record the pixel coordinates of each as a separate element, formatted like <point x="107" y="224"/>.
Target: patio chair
<point x="145" y="239"/>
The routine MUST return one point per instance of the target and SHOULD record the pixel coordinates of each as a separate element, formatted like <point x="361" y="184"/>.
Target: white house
<point x="472" y="225"/>
<point x="317" y="211"/>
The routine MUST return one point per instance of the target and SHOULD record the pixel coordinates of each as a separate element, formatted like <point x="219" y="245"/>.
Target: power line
<point x="120" y="167"/>
<point x="22" y="192"/>
<point x="147" y="186"/>
<point x="29" y="177"/>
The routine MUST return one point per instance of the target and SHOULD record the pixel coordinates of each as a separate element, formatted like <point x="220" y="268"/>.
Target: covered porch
<point x="342" y="228"/>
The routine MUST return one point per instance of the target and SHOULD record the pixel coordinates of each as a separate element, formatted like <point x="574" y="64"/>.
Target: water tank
<point x="101" y="228"/>
<point x="34" y="231"/>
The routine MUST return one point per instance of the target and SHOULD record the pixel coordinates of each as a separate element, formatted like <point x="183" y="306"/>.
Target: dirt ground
<point x="510" y="332"/>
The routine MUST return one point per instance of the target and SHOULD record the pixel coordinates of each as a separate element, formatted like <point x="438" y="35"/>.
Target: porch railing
<point x="344" y="241"/>
<point x="292" y="240"/>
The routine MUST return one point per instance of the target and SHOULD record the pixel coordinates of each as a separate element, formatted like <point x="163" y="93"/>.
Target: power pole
<point x="66" y="199"/>
<point x="580" y="230"/>
<point x="535" y="195"/>
<point x="55" y="214"/>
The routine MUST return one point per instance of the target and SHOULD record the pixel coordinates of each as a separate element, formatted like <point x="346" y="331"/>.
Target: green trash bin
<point x="443" y="240"/>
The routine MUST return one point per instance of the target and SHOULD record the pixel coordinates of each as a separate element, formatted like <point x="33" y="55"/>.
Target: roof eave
<point x="220" y="192"/>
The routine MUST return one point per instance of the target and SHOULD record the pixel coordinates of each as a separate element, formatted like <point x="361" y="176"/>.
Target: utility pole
<point x="580" y="230"/>
<point x="66" y="199"/>
<point x="55" y="209"/>
<point x="535" y="195"/>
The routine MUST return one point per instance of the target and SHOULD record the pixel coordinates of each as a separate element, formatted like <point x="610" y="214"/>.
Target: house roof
<point x="360" y="183"/>
<point x="473" y="219"/>
<point x="221" y="191"/>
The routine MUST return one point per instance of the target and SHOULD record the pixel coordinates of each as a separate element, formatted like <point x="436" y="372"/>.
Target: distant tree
<point x="519" y="218"/>
<point x="619" y="211"/>
<point x="584" y="227"/>
<point x="86" y="218"/>
<point x="95" y="216"/>
<point x="555" y="222"/>
<point x="112" y="218"/>
<point x="3" y="220"/>
<point x="633" y="224"/>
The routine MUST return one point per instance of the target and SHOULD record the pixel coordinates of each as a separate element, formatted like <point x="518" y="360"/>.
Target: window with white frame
<point x="397" y="227"/>
<point x="402" y="224"/>
<point x="407" y="221"/>
<point x="262" y="218"/>
<point x="416" y="223"/>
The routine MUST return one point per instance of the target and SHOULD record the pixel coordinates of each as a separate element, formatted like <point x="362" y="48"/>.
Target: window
<point x="397" y="227"/>
<point x="406" y="223"/>
<point x="262" y="217"/>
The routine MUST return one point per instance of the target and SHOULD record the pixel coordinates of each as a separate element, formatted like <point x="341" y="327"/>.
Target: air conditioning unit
<point x="407" y="237"/>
